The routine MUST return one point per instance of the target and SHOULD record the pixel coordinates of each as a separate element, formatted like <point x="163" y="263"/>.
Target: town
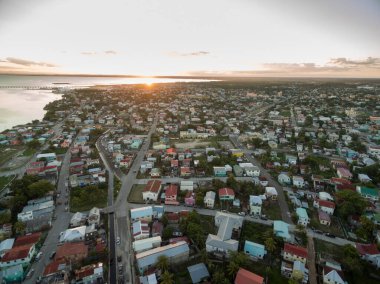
<point x="265" y="181"/>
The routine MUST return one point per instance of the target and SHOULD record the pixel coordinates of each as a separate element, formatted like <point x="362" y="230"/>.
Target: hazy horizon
<point x="243" y="38"/>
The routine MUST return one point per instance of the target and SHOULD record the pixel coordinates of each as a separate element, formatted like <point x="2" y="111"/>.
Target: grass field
<point x="6" y="153"/>
<point x="135" y="196"/>
<point x="4" y="181"/>
<point x="272" y="211"/>
<point x="83" y="199"/>
<point x="28" y="152"/>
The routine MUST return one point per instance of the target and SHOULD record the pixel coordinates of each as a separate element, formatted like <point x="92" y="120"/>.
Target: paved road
<point x="21" y="170"/>
<point x="285" y="214"/>
<point x="194" y="179"/>
<point x="60" y="224"/>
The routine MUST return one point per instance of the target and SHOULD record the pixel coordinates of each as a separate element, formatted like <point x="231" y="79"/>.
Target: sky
<point x="271" y="38"/>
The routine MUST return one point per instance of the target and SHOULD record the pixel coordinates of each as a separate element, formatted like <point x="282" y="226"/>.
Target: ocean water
<point x="20" y="105"/>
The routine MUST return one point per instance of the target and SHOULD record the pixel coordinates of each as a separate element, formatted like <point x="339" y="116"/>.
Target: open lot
<point x="135" y="196"/>
<point x="83" y="199"/>
<point x="4" y="181"/>
<point x="192" y="144"/>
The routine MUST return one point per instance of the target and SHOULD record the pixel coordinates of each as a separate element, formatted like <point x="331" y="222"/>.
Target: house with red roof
<point x="34" y="168"/>
<point x="71" y="252"/>
<point x="174" y="164"/>
<point x="185" y="171"/>
<point x="344" y="173"/>
<point x="369" y="253"/>
<point x="53" y="268"/>
<point x="157" y="228"/>
<point x="152" y="190"/>
<point x="294" y="253"/>
<point x="325" y="206"/>
<point x="246" y="277"/>
<point x="21" y="254"/>
<point x="140" y="230"/>
<point x="324" y="218"/>
<point x="332" y="273"/>
<point x="173" y="218"/>
<point x="226" y="194"/>
<point x="27" y="239"/>
<point x="171" y="195"/>
<point x="92" y="273"/>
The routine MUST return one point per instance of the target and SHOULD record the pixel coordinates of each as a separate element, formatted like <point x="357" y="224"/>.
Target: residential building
<point x="325" y="206"/>
<point x="332" y="273"/>
<point x="344" y="173"/>
<point x="18" y="255"/>
<point x="222" y="242"/>
<point x="198" y="273"/>
<point x="92" y="273"/>
<point x="171" y="195"/>
<point x="140" y="230"/>
<point x="298" y="181"/>
<point x="187" y="185"/>
<point x="303" y="218"/>
<point x="142" y="213"/>
<point x="220" y="171"/>
<point x="226" y="194"/>
<point x="190" y="198"/>
<point x="176" y="253"/>
<point x="254" y="250"/>
<point x="209" y="199"/>
<point x="73" y="235"/>
<point x="281" y="229"/>
<point x="152" y="190"/>
<point x="324" y="218"/>
<point x="284" y="179"/>
<point x="368" y="193"/>
<point x="246" y="277"/>
<point x="294" y="253"/>
<point x="72" y="252"/>
<point x="146" y="244"/>
<point x="255" y="203"/>
<point x="369" y="253"/>
<point x="271" y="193"/>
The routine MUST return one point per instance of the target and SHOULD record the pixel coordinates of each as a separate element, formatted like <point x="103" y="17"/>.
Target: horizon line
<point x="216" y="77"/>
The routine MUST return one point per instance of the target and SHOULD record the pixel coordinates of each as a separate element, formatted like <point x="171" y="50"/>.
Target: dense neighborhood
<point x="214" y="182"/>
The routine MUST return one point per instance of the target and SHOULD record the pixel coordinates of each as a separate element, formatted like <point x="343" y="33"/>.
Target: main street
<point x="60" y="224"/>
<point x="119" y="211"/>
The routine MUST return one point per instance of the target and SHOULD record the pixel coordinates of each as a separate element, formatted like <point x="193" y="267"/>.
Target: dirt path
<point x="311" y="261"/>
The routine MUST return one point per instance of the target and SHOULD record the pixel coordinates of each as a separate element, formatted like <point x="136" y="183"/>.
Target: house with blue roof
<point x="176" y="253"/>
<point x="142" y="214"/>
<point x="198" y="273"/>
<point x="303" y="218"/>
<point x="255" y="250"/>
<point x="281" y="229"/>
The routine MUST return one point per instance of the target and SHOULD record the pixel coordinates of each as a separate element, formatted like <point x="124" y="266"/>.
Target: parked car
<point x="330" y="235"/>
<point x="30" y="273"/>
<point x="52" y="255"/>
<point x="38" y="256"/>
<point x="318" y="232"/>
<point x="118" y="240"/>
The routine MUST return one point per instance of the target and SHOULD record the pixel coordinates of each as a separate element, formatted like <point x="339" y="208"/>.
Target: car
<point x="263" y="218"/>
<point x="118" y="240"/>
<point x="52" y="255"/>
<point x="30" y="273"/>
<point x="134" y="172"/>
<point x="330" y="235"/>
<point x="39" y="279"/>
<point x="66" y="209"/>
<point x="318" y="232"/>
<point x="119" y="258"/>
<point x="38" y="256"/>
<point x="241" y="213"/>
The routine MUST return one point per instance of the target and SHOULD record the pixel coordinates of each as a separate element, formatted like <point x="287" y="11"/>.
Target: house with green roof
<point x="281" y="229"/>
<point x="368" y="192"/>
<point x="303" y="218"/>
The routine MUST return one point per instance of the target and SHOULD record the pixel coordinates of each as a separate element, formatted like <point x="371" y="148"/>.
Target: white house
<point x="303" y="218"/>
<point x="18" y="255"/>
<point x="187" y="185"/>
<point x="284" y="179"/>
<point x="255" y="203"/>
<point x="325" y="206"/>
<point x="271" y="192"/>
<point x="209" y="199"/>
<point x="152" y="190"/>
<point x="298" y="181"/>
<point x="140" y="230"/>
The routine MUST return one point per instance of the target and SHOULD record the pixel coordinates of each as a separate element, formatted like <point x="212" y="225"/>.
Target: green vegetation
<point x="4" y="180"/>
<point x="349" y="203"/>
<point x="135" y="195"/>
<point x="27" y="188"/>
<point x="85" y="198"/>
<point x="29" y="152"/>
<point x="6" y="153"/>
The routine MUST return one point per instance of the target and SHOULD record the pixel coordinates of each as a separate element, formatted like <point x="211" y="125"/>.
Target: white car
<point x="118" y="240"/>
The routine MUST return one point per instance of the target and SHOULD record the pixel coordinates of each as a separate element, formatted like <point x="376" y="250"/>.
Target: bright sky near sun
<point x="196" y="37"/>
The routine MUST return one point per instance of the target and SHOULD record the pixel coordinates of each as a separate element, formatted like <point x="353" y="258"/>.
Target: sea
<point x="22" y="97"/>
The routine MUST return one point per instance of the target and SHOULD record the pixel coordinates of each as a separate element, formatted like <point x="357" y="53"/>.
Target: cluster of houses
<point x="24" y="134"/>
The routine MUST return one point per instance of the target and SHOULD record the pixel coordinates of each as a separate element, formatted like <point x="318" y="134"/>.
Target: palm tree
<point x="232" y="269"/>
<point x="162" y="263"/>
<point x="167" y="278"/>
<point x="270" y="245"/>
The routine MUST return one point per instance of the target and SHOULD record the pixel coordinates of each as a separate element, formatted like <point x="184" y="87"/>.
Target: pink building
<point x="190" y="198"/>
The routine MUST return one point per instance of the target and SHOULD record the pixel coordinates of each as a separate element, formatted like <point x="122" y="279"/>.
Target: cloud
<point x="370" y="62"/>
<point x="25" y="62"/>
<point x="189" y="54"/>
<point x="107" y="52"/>
<point x="112" y="52"/>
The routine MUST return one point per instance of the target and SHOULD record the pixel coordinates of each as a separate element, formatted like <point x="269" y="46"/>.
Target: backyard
<point x="85" y="198"/>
